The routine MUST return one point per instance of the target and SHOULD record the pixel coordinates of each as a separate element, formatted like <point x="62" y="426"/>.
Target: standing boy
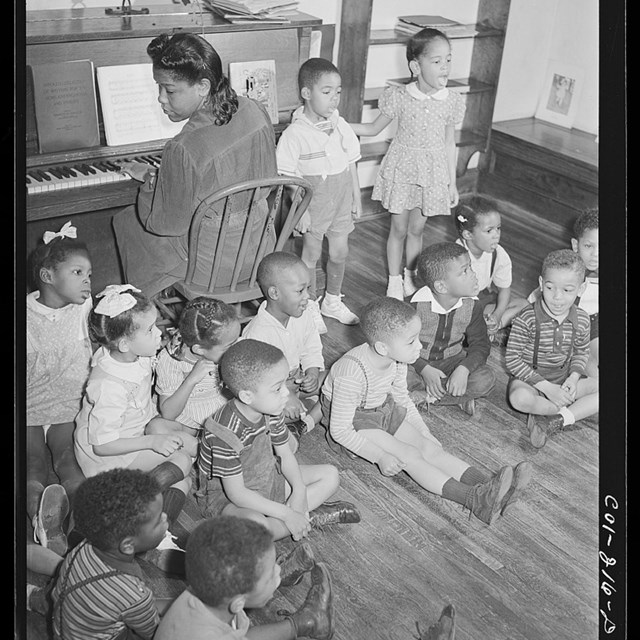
<point x="548" y="350"/>
<point x="455" y="344"/>
<point x="246" y="467"/>
<point x="285" y="320"/>
<point x="321" y="147"/>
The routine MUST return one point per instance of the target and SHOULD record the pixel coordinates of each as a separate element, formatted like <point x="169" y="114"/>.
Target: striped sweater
<point x="558" y="341"/>
<point x="99" y="606"/>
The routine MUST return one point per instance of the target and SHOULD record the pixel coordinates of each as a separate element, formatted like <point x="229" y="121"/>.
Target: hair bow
<point x="115" y="300"/>
<point x="67" y="231"/>
<point x="462" y="219"/>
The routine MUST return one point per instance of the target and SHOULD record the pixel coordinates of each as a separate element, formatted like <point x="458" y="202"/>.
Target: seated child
<point x="285" y="320"/>
<point x="118" y="424"/>
<point x="58" y="351"/>
<point x="455" y="345"/>
<point x="101" y="591"/>
<point x="245" y="465"/>
<point x="367" y="406"/>
<point x="478" y="223"/>
<point x="585" y="243"/>
<point x="187" y="380"/>
<point x="231" y="566"/>
<point x="548" y="350"/>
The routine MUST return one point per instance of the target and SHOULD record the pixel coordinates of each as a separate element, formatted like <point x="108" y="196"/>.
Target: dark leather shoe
<point x="487" y="498"/>
<point x="334" y="513"/>
<point x="543" y="427"/>
<point x="468" y="406"/>
<point x="315" y="618"/>
<point x="295" y="564"/>
<point x="521" y="477"/>
<point x="444" y="629"/>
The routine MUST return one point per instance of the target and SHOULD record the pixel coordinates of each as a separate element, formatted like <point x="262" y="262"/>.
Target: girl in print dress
<point x="417" y="176"/>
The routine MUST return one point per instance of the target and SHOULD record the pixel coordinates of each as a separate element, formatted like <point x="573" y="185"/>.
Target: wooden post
<point x="355" y="25"/>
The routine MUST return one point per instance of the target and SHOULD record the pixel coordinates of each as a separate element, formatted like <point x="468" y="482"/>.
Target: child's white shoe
<point x="333" y="307"/>
<point x="408" y="284"/>
<point x="395" y="288"/>
<point x="314" y="308"/>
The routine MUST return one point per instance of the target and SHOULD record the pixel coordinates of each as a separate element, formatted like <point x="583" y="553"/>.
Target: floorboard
<point x="530" y="576"/>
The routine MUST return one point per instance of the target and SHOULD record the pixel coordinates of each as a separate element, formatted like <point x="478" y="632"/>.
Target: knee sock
<point x="457" y="491"/>
<point x="567" y="416"/>
<point x="473" y="476"/>
<point x="335" y="276"/>
<point x="167" y="473"/>
<point x="172" y="502"/>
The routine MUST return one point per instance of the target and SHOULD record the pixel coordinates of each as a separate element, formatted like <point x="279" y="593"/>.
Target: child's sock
<point x="567" y="416"/>
<point x="167" y="473"/>
<point x="473" y="476"/>
<point x="172" y="502"/>
<point x="456" y="491"/>
<point x="395" y="287"/>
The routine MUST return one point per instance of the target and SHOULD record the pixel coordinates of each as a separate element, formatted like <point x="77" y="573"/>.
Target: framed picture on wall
<point x="560" y="93"/>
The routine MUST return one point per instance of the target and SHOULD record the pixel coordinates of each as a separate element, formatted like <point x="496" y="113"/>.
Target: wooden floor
<point x="530" y="576"/>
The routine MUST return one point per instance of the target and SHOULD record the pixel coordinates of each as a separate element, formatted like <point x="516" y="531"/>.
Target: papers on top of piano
<point x="250" y="11"/>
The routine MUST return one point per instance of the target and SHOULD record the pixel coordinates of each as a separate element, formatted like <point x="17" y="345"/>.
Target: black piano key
<point x="35" y="176"/>
<point x="55" y="172"/>
<point x="89" y="168"/>
<point x="43" y="174"/>
<point x="72" y="173"/>
<point x="112" y="166"/>
<point x="65" y="171"/>
<point x="81" y="168"/>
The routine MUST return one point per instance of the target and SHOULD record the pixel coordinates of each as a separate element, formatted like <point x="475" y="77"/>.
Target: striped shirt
<point x="102" y="608"/>
<point x="216" y="458"/>
<point x="206" y="396"/>
<point x="346" y="387"/>
<point x="558" y="342"/>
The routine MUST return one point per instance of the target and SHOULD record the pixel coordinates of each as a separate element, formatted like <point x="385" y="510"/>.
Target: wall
<point x="563" y="30"/>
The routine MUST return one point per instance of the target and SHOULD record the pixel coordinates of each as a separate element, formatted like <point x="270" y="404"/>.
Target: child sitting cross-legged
<point x="231" y="566"/>
<point x="548" y="350"/>
<point x="584" y="241"/>
<point x="100" y="591"/>
<point x="452" y="366"/>
<point x="368" y="409"/>
<point x="285" y="320"/>
<point x="245" y="465"/>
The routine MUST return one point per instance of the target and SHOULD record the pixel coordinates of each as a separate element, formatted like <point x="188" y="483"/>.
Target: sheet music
<point x="130" y="108"/>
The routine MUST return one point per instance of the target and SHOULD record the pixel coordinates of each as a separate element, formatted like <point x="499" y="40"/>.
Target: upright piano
<point x="84" y="185"/>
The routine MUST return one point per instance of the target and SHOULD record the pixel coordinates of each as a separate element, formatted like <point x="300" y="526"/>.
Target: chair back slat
<point x="233" y="229"/>
<point x="246" y="238"/>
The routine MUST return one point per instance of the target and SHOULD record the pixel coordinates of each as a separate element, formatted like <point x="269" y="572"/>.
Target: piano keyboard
<point x="40" y="180"/>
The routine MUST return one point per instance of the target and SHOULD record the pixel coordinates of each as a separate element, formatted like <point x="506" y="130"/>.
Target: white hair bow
<point x="462" y="218"/>
<point x="115" y="300"/>
<point x="67" y="231"/>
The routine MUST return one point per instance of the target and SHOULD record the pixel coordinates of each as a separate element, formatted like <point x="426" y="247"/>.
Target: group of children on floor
<point x="131" y="424"/>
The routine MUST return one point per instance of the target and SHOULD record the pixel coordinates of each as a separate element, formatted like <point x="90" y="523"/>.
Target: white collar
<point x="414" y="92"/>
<point x="426" y="295"/>
<point x="135" y="371"/>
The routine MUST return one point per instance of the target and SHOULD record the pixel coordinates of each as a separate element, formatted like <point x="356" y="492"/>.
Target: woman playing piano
<point x="227" y="139"/>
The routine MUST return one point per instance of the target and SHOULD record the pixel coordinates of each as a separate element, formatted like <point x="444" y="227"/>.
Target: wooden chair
<point x="231" y="231"/>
